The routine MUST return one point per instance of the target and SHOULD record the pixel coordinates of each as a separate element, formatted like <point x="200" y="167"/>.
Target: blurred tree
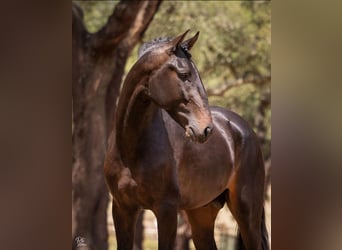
<point x="98" y="61"/>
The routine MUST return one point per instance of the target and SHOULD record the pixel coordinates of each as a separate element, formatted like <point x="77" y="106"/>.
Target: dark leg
<point x="124" y="222"/>
<point x="246" y="204"/>
<point x="167" y="225"/>
<point x="183" y="232"/>
<point x="202" y="222"/>
<point x="139" y="231"/>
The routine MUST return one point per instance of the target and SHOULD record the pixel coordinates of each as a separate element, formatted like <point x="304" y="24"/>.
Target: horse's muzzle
<point x="198" y="135"/>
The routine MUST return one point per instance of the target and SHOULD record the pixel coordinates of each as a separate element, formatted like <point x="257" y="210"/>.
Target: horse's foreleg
<point x="124" y="222"/>
<point x="167" y="225"/>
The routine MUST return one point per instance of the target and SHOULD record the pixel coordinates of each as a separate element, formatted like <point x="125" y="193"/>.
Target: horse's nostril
<point x="207" y="131"/>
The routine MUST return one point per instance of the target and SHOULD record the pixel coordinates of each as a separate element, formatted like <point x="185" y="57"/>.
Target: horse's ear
<point x="175" y="42"/>
<point x="190" y="42"/>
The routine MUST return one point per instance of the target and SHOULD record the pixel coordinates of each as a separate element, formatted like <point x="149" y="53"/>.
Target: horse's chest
<point x="203" y="172"/>
<point x="154" y="165"/>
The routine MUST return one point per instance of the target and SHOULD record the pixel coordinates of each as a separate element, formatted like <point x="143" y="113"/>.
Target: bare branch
<point x="121" y="22"/>
<point x="220" y="91"/>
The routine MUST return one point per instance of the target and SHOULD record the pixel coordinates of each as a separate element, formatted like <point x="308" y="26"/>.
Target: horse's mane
<point x="155" y="43"/>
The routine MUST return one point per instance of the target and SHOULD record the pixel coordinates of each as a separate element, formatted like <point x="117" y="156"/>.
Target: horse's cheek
<point x="158" y="93"/>
<point x="164" y="93"/>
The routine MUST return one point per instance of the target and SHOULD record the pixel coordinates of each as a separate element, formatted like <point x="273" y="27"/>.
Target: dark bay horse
<point x="170" y="151"/>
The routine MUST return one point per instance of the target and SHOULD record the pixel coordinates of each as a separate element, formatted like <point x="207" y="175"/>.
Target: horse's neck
<point x="135" y="114"/>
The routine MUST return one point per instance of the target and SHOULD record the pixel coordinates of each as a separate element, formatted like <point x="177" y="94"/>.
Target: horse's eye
<point x="184" y="76"/>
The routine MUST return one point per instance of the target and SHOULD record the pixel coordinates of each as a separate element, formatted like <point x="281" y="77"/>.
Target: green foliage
<point x="96" y="13"/>
<point x="242" y="100"/>
<point x="231" y="34"/>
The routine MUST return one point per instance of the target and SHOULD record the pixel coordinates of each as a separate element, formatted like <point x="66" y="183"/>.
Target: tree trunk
<point x="98" y="62"/>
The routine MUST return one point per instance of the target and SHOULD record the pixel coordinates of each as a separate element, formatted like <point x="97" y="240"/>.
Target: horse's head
<point x="176" y="86"/>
